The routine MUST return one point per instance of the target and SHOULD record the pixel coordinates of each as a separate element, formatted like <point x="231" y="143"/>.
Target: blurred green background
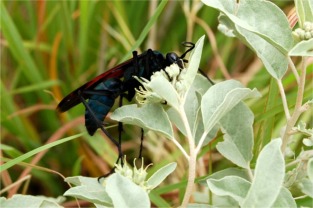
<point x="49" y="48"/>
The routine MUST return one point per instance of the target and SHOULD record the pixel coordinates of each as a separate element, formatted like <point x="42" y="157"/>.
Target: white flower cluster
<point x="145" y="94"/>
<point x="138" y="176"/>
<point x="173" y="74"/>
<point x="304" y="33"/>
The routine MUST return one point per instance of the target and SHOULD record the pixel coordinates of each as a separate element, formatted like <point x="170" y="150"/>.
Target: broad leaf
<point x="226" y="172"/>
<point x="201" y="84"/>
<point x="192" y="108"/>
<point x="19" y="200"/>
<point x="254" y="16"/>
<point x="274" y="61"/>
<point x="200" y="131"/>
<point x="268" y="177"/>
<point x="220" y="99"/>
<point x="233" y="186"/>
<point x="176" y="120"/>
<point x="88" y="189"/>
<point x="194" y="62"/>
<point x="125" y="193"/>
<point x="164" y="89"/>
<point x="306" y="186"/>
<point x="237" y="188"/>
<point x="248" y="20"/>
<point x="159" y="176"/>
<point x="149" y="116"/>
<point x="303" y="48"/>
<point x="238" y="135"/>
<point x="304" y="11"/>
<point x="285" y="199"/>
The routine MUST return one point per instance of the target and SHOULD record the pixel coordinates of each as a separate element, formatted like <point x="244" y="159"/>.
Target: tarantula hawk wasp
<point x="102" y="91"/>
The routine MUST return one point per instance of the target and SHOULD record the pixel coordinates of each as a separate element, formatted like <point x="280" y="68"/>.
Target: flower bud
<point x="304" y="33"/>
<point x="172" y="70"/>
<point x="138" y="176"/>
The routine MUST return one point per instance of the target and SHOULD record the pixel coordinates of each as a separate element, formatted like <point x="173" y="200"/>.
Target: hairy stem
<point x="191" y="178"/>
<point x="181" y="149"/>
<point x="298" y="107"/>
<point x="201" y="141"/>
<point x="192" y="158"/>
<point x="250" y="173"/>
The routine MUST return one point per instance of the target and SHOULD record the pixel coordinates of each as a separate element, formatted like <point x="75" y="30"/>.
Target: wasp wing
<point x="74" y="98"/>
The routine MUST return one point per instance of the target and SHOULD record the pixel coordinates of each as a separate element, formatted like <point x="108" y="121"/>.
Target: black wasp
<point x="99" y="94"/>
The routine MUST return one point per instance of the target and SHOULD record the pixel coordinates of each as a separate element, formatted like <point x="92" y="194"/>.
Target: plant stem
<point x="250" y="173"/>
<point x="191" y="178"/>
<point x="298" y="107"/>
<point x="181" y="149"/>
<point x="301" y="84"/>
<point x="294" y="70"/>
<point x="192" y="157"/>
<point x="201" y="141"/>
<point x="283" y="98"/>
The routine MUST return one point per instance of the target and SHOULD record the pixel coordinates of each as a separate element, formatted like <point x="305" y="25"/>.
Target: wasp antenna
<point x="188" y="44"/>
<point x="190" y="47"/>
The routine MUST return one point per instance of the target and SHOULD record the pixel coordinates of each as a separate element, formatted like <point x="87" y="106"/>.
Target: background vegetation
<point x="49" y="48"/>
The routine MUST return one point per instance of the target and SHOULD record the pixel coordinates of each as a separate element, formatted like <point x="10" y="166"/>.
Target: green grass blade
<point x="16" y="125"/>
<point x="120" y="16"/>
<point x="35" y="151"/>
<point x="147" y="28"/>
<point x="86" y="9"/>
<point x="14" y="39"/>
<point x="267" y="126"/>
<point x="158" y="200"/>
<point x="35" y="87"/>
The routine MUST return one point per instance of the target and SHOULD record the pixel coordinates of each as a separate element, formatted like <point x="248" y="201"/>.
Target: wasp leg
<point x="147" y="59"/>
<point x="111" y="171"/>
<point x="206" y="76"/>
<point x="141" y="144"/>
<point x="100" y="125"/>
<point x="135" y="60"/>
<point x="148" y="71"/>
<point x="120" y="125"/>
